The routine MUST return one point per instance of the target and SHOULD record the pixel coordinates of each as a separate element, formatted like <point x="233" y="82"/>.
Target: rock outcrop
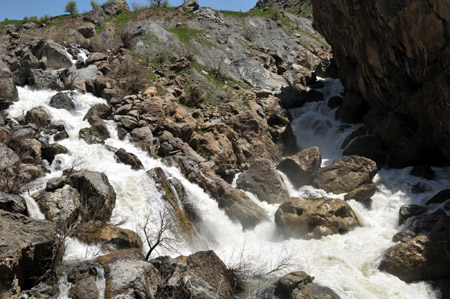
<point x="27" y="248"/>
<point x="8" y="91"/>
<point x="394" y="58"/>
<point x="314" y="217"/>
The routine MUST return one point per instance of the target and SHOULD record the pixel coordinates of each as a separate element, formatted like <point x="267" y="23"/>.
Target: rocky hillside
<point x="300" y="7"/>
<point x="394" y="59"/>
<point x="201" y="90"/>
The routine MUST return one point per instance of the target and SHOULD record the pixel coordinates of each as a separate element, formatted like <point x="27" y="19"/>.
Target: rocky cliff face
<point x="302" y="7"/>
<point x="396" y="57"/>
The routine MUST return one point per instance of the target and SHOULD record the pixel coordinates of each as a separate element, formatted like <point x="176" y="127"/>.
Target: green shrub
<point x="94" y="4"/>
<point x="71" y="8"/>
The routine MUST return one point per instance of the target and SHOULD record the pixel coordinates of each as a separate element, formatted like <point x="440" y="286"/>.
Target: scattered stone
<point x="314" y="217"/>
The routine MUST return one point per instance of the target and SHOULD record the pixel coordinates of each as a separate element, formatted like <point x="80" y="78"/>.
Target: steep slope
<point x="396" y="57"/>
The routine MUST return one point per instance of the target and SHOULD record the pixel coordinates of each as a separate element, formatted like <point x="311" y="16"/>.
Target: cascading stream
<point x="346" y="263"/>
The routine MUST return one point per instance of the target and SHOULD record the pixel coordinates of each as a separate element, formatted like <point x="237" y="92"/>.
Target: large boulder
<point x="201" y="275"/>
<point x="314" y="217"/>
<point x="27" y="249"/>
<point x="38" y="116"/>
<point x="98" y="197"/>
<point x="345" y="174"/>
<point x="384" y="47"/>
<point x="53" y="55"/>
<point x="263" y="180"/>
<point x="61" y="205"/>
<point x="128" y="275"/>
<point x="87" y="30"/>
<point x="300" y="167"/>
<point x="106" y="10"/>
<point x="13" y="203"/>
<point x="425" y="257"/>
<point x="362" y="193"/>
<point x="8" y="158"/>
<point x="8" y="91"/>
<point x="100" y="110"/>
<point x="297" y="285"/>
<point x="62" y="101"/>
<point x="97" y="133"/>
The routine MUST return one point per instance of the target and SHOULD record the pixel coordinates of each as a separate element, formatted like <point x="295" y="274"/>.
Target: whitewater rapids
<point x="345" y="263"/>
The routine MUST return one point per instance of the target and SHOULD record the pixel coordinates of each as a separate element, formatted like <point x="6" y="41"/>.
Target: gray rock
<point x="26" y="247"/>
<point x="263" y="180"/>
<point x="49" y="151"/>
<point x="46" y="79"/>
<point x="13" y="203"/>
<point x="106" y="10"/>
<point x="190" y="5"/>
<point x="300" y="167"/>
<point x="98" y="197"/>
<point x="8" y="158"/>
<point x="59" y="206"/>
<point x="62" y="100"/>
<point x="97" y="133"/>
<point x="52" y="55"/>
<point x="345" y="174"/>
<point x="129" y="275"/>
<point x="8" y="91"/>
<point x="87" y="30"/>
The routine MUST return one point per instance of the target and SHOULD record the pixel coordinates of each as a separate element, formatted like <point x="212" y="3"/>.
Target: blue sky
<point x="17" y="9"/>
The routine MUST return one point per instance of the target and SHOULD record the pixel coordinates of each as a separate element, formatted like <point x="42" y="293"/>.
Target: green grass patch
<point x="185" y="34"/>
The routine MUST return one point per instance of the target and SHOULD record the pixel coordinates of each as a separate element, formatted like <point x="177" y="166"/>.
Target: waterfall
<point x="346" y="263"/>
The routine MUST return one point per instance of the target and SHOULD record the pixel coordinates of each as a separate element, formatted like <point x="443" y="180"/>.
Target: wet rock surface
<point x="412" y="37"/>
<point x="314" y="217"/>
<point x="263" y="180"/>
<point x="345" y="174"/>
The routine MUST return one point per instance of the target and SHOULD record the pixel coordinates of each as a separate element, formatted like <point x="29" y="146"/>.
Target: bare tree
<point x="162" y="236"/>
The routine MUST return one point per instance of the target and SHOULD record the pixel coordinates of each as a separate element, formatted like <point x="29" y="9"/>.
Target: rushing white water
<point x="346" y="263"/>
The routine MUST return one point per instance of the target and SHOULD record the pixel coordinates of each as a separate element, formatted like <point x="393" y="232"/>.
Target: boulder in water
<point x="97" y="195"/>
<point x="300" y="167"/>
<point x="314" y="217"/>
<point x="362" y="193"/>
<point x="345" y="174"/>
<point x="425" y="257"/>
<point x="13" y="203"/>
<point x="440" y="197"/>
<point x="62" y="100"/>
<point x="38" y="116"/>
<point x="100" y="110"/>
<point x="263" y="180"/>
<point x="127" y="158"/>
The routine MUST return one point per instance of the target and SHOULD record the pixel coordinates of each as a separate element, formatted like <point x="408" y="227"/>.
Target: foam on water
<point x="346" y="263"/>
